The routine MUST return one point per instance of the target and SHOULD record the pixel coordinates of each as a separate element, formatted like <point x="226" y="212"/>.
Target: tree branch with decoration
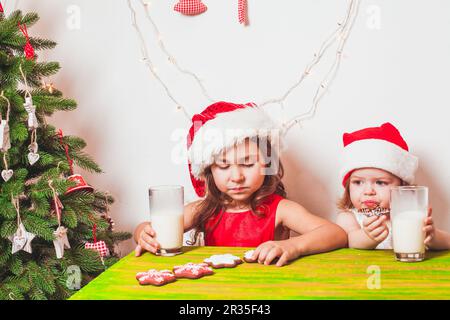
<point x="50" y="218"/>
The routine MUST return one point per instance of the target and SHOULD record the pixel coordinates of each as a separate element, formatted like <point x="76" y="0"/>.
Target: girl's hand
<point x="428" y="228"/>
<point x="266" y="252"/>
<point x="375" y="228"/>
<point x="146" y="241"/>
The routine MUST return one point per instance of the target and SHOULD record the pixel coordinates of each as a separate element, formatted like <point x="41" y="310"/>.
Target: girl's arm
<point x="440" y="241"/>
<point x="357" y="237"/>
<point x="316" y="235"/>
<point x="144" y="233"/>
<point x="435" y="239"/>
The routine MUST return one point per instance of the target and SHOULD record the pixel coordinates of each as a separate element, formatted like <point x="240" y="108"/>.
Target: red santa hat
<point x="378" y="147"/>
<point x="218" y="127"/>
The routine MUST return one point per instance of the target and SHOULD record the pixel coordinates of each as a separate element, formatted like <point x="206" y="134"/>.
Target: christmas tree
<point x="55" y="230"/>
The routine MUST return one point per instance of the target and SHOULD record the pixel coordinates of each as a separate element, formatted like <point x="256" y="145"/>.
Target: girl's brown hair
<point x="216" y="201"/>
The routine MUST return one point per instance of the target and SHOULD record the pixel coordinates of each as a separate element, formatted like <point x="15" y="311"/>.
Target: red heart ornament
<point x="99" y="246"/>
<point x="190" y="7"/>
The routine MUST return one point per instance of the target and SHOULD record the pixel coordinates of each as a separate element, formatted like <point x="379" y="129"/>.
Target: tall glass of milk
<point x="166" y="216"/>
<point x="409" y="207"/>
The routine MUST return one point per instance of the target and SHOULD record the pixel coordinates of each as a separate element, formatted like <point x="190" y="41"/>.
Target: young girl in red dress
<point x="234" y="167"/>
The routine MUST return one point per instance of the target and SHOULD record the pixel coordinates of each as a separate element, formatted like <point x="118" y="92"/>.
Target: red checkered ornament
<point x="99" y="246"/>
<point x="190" y="7"/>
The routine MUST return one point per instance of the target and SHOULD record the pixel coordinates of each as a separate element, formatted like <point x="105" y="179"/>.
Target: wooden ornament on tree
<point x="190" y="7"/>
<point x="5" y="140"/>
<point x="21" y="239"/>
<point x="60" y="241"/>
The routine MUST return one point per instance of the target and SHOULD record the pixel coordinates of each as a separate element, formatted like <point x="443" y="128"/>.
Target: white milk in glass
<point x="169" y="229"/>
<point x="408" y="232"/>
<point x="166" y="216"/>
<point x="409" y="206"/>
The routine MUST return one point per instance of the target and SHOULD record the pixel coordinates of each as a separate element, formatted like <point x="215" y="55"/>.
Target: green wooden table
<point x="341" y="274"/>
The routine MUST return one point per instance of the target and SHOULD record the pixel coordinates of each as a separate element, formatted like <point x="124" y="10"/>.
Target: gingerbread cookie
<point x="155" y="277"/>
<point x="192" y="270"/>
<point x="223" y="261"/>
<point x="248" y="256"/>
<point x="378" y="211"/>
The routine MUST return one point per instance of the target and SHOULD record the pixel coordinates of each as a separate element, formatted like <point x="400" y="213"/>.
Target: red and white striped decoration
<point x="242" y="10"/>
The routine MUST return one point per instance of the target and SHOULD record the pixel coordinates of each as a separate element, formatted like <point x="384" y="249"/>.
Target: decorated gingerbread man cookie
<point x="223" y="261"/>
<point x="378" y="211"/>
<point x="192" y="270"/>
<point x="155" y="277"/>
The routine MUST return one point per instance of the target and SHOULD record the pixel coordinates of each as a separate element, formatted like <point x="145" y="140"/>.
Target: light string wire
<point x="342" y="33"/>
<point x="149" y="63"/>
<point x="170" y="57"/>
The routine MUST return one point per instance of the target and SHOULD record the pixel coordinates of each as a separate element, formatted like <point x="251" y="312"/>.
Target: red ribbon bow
<point x="28" y="49"/>
<point x="94" y="233"/>
<point x="66" y="148"/>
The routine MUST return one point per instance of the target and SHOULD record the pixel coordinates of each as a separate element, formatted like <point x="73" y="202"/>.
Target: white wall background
<point x="395" y="68"/>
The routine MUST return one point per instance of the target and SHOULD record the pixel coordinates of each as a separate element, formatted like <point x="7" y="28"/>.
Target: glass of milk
<point x="409" y="207"/>
<point x="166" y="216"/>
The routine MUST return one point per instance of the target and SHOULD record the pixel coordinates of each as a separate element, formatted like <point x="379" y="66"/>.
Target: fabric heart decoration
<point x="99" y="246"/>
<point x="190" y="7"/>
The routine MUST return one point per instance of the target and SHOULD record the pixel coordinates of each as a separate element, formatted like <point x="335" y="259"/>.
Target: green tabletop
<point x="341" y="274"/>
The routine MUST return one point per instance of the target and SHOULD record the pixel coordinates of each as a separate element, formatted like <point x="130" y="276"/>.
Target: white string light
<point x="341" y="33"/>
<point x="170" y="57"/>
<point x="149" y="63"/>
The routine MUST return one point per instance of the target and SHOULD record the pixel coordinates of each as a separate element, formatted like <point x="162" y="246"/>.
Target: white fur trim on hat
<point x="380" y="154"/>
<point x="226" y="130"/>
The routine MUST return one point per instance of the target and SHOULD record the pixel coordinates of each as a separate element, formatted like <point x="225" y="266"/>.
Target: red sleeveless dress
<point x="243" y="229"/>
